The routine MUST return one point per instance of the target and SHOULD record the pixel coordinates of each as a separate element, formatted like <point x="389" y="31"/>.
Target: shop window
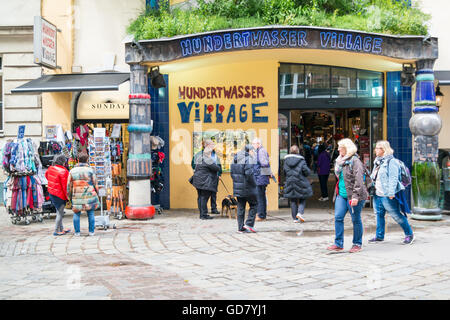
<point x="343" y="83"/>
<point x="317" y="82"/>
<point x="292" y="81"/>
<point x="370" y="84"/>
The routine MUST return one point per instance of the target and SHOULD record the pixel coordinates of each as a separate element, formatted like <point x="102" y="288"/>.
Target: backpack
<point x="368" y="182"/>
<point x="405" y="175"/>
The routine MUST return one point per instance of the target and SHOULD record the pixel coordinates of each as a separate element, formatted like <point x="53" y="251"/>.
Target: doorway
<point x="308" y="129"/>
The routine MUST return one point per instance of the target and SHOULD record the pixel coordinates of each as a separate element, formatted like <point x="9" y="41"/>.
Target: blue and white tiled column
<point x="425" y="125"/>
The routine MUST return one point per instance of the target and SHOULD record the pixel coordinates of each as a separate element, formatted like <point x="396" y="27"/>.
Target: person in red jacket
<point x="57" y="176"/>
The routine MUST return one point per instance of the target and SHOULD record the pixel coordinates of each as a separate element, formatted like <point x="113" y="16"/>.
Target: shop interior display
<point x="23" y="194"/>
<point x="157" y="177"/>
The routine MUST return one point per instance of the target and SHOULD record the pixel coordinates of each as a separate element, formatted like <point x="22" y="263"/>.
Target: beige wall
<point x="444" y="112"/>
<point x="100" y="28"/>
<point x="56" y="106"/>
<point x="256" y="73"/>
<point x="19" y="12"/>
<point x="438" y="27"/>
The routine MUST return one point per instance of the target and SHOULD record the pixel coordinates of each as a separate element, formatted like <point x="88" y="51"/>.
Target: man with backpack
<point x="390" y="177"/>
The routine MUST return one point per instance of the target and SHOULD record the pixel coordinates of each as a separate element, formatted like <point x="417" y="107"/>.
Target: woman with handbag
<point x="350" y="195"/>
<point x="388" y="193"/>
<point x="205" y="178"/>
<point x="56" y="176"/>
<point x="83" y="192"/>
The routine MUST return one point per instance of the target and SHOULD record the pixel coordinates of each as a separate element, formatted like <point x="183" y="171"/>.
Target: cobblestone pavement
<point x="177" y="256"/>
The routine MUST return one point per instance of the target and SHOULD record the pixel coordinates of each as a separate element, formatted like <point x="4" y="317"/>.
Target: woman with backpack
<point x="350" y="195"/>
<point x="297" y="187"/>
<point x="389" y="192"/>
<point x="82" y="190"/>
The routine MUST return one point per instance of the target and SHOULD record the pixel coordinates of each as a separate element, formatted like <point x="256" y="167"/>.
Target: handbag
<point x="371" y="186"/>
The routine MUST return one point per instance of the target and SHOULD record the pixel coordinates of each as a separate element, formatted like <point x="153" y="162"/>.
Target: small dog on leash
<point x="229" y="204"/>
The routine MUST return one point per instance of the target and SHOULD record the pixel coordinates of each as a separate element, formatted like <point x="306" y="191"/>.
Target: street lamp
<point x="439" y="97"/>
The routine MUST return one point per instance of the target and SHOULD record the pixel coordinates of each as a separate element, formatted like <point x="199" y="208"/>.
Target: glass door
<point x="376" y="131"/>
<point x="284" y="133"/>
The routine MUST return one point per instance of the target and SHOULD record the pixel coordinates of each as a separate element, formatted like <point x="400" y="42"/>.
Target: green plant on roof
<point x="380" y="16"/>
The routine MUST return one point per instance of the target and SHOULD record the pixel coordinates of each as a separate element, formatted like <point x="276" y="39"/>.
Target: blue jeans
<point x="341" y="206"/>
<point x="383" y="204"/>
<point x="76" y="221"/>
<point x="262" y="201"/>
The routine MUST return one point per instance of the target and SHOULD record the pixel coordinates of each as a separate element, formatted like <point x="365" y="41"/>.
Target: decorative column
<point x="139" y="163"/>
<point x="425" y="126"/>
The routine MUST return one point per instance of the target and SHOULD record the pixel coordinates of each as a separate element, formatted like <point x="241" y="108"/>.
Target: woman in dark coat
<point x="245" y="188"/>
<point x="297" y="187"/>
<point x="323" y="171"/>
<point x="205" y="178"/>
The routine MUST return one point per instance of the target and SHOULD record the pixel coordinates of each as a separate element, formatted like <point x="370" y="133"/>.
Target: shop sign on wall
<point x="281" y="38"/>
<point x="44" y="42"/>
<point x="108" y="110"/>
<point x="225" y="108"/>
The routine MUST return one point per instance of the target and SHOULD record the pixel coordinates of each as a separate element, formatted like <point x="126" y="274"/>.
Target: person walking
<point x="262" y="175"/>
<point x="350" y="195"/>
<point x="323" y="171"/>
<point x="82" y="191"/>
<point x="245" y="188"/>
<point x="205" y="178"/>
<point x="297" y="187"/>
<point x="219" y="173"/>
<point x="389" y="193"/>
<point x="57" y="176"/>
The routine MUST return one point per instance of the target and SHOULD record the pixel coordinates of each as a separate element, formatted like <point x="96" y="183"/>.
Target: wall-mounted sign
<point x="286" y="37"/>
<point x="223" y="105"/>
<point x="44" y="42"/>
<point x="282" y="38"/>
<point x="104" y="104"/>
<point x="21" y="132"/>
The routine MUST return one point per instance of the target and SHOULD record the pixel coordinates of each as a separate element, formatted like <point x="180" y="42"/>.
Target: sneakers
<point x="259" y="219"/>
<point x="296" y="221"/>
<point x="215" y="212"/>
<point x="323" y="199"/>
<point x="243" y="231"/>
<point x="76" y="234"/>
<point x="355" y="248"/>
<point x="58" y="233"/>
<point x="207" y="217"/>
<point x="408" y="239"/>
<point x="300" y="217"/>
<point x="335" y="248"/>
<point x="248" y="228"/>
<point x="91" y="234"/>
<point x="375" y="240"/>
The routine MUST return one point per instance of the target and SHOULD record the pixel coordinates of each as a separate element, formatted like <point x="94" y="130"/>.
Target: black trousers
<point x="242" y="202"/>
<point x="213" y="201"/>
<point x="323" y="180"/>
<point x="202" y="201"/>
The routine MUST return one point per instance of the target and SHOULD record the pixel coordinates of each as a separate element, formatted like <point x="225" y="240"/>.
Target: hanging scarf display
<point x="23" y="193"/>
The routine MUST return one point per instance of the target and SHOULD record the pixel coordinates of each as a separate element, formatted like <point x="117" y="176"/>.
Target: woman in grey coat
<point x="297" y="187"/>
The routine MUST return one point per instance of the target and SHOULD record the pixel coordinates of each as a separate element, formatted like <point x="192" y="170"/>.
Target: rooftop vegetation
<point x="397" y="17"/>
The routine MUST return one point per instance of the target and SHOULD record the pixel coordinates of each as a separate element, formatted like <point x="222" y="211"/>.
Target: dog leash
<point x="224" y="186"/>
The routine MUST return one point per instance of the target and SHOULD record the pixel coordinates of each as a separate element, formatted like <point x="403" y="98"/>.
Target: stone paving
<point x="177" y="256"/>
